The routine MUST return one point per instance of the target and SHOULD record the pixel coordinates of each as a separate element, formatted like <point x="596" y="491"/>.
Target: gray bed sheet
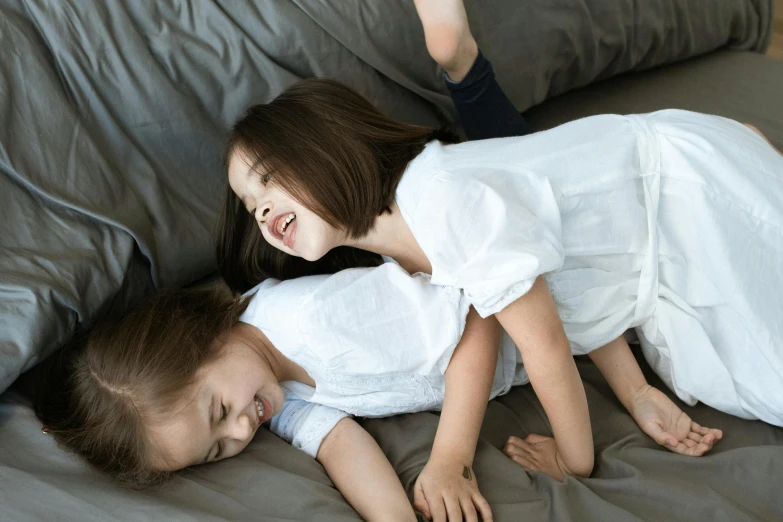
<point x="634" y="479"/>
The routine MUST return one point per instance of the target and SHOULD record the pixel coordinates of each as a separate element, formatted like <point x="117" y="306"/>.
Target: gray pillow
<point x="112" y="117"/>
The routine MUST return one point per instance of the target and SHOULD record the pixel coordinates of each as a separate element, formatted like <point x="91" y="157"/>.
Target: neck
<point x="391" y="236"/>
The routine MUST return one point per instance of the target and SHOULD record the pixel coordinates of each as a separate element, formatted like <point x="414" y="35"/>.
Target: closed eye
<point x="223" y="415"/>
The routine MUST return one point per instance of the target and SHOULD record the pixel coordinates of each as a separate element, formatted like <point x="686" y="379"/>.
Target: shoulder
<point x="366" y="293"/>
<point x="272" y="295"/>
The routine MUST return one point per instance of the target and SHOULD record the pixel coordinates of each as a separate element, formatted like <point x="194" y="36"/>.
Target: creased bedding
<point x="112" y="116"/>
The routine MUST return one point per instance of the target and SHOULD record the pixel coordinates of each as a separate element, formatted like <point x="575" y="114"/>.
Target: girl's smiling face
<point x="285" y="223"/>
<point x="231" y="398"/>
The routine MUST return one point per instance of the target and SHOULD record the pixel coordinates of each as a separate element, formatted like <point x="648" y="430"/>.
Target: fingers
<point x="702" y="430"/>
<point x="534" y="438"/>
<point x="482" y="506"/>
<point x="660" y="436"/>
<point x="516" y="447"/>
<point x="453" y="509"/>
<point x="437" y="509"/>
<point x="516" y="444"/>
<point x="518" y="455"/>
<point x="690" y="447"/>
<point x="468" y="509"/>
<point x="696" y="437"/>
<point x="420" y="502"/>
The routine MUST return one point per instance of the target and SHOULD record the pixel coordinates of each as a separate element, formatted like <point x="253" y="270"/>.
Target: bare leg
<point x="448" y="36"/>
<point x="483" y="108"/>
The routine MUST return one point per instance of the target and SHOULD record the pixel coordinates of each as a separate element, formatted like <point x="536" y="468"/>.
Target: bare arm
<point x="468" y="383"/>
<point x="363" y="474"/>
<point x="534" y="324"/>
<point x="617" y="364"/>
<point x="654" y="412"/>
<point x="447" y="483"/>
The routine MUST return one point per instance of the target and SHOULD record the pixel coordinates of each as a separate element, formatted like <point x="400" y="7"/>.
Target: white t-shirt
<point x="377" y="342"/>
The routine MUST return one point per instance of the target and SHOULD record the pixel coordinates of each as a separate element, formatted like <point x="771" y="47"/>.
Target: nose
<point x="264" y="212"/>
<point x="242" y="428"/>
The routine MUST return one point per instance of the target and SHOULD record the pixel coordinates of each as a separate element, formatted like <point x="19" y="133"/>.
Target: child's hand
<point x="449" y="491"/>
<point x="669" y="426"/>
<point x="537" y="453"/>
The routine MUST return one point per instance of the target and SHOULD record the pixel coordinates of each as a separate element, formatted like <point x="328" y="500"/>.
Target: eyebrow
<point x="252" y="169"/>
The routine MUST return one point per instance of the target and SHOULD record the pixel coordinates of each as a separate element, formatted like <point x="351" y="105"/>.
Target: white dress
<point x="670" y="223"/>
<point x="376" y="341"/>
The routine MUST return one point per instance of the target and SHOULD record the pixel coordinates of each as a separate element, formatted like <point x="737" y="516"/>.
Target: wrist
<point x="638" y="394"/>
<point x="453" y="455"/>
<point x="395" y="516"/>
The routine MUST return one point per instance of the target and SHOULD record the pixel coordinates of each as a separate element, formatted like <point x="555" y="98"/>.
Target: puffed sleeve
<point x="490" y="232"/>
<point x="304" y="424"/>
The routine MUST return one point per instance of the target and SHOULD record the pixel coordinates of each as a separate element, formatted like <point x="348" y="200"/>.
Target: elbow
<point x="580" y="467"/>
<point x="584" y="472"/>
<point x="583" y="468"/>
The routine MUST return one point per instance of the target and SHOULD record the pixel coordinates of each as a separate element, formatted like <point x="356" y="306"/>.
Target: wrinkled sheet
<point x="634" y="479"/>
<point x="112" y="118"/>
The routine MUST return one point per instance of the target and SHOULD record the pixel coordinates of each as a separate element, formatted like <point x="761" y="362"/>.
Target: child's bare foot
<point x="448" y="36"/>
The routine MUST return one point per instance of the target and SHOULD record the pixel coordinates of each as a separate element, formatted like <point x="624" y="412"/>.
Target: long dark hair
<point x="98" y="395"/>
<point x="336" y="154"/>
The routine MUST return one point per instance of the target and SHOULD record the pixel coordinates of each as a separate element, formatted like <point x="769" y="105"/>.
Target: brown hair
<point x="97" y="395"/>
<point x="332" y="151"/>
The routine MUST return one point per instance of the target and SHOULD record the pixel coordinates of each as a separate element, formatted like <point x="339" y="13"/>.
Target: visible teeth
<point x="288" y="220"/>
<point x="259" y="408"/>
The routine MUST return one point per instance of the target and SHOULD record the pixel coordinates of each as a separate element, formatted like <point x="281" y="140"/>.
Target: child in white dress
<point x="669" y="223"/>
<point x="191" y="375"/>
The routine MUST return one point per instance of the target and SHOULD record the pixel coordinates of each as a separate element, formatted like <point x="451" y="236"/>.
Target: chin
<point x="313" y="254"/>
<point x="311" y="257"/>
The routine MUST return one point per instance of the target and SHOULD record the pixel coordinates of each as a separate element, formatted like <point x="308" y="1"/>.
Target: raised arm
<point x="533" y="323"/>
<point x="363" y="474"/>
<point x="447" y="488"/>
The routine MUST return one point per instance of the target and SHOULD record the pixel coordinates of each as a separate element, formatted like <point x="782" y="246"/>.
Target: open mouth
<point x="263" y="409"/>
<point x="283" y="223"/>
<point x="283" y="228"/>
